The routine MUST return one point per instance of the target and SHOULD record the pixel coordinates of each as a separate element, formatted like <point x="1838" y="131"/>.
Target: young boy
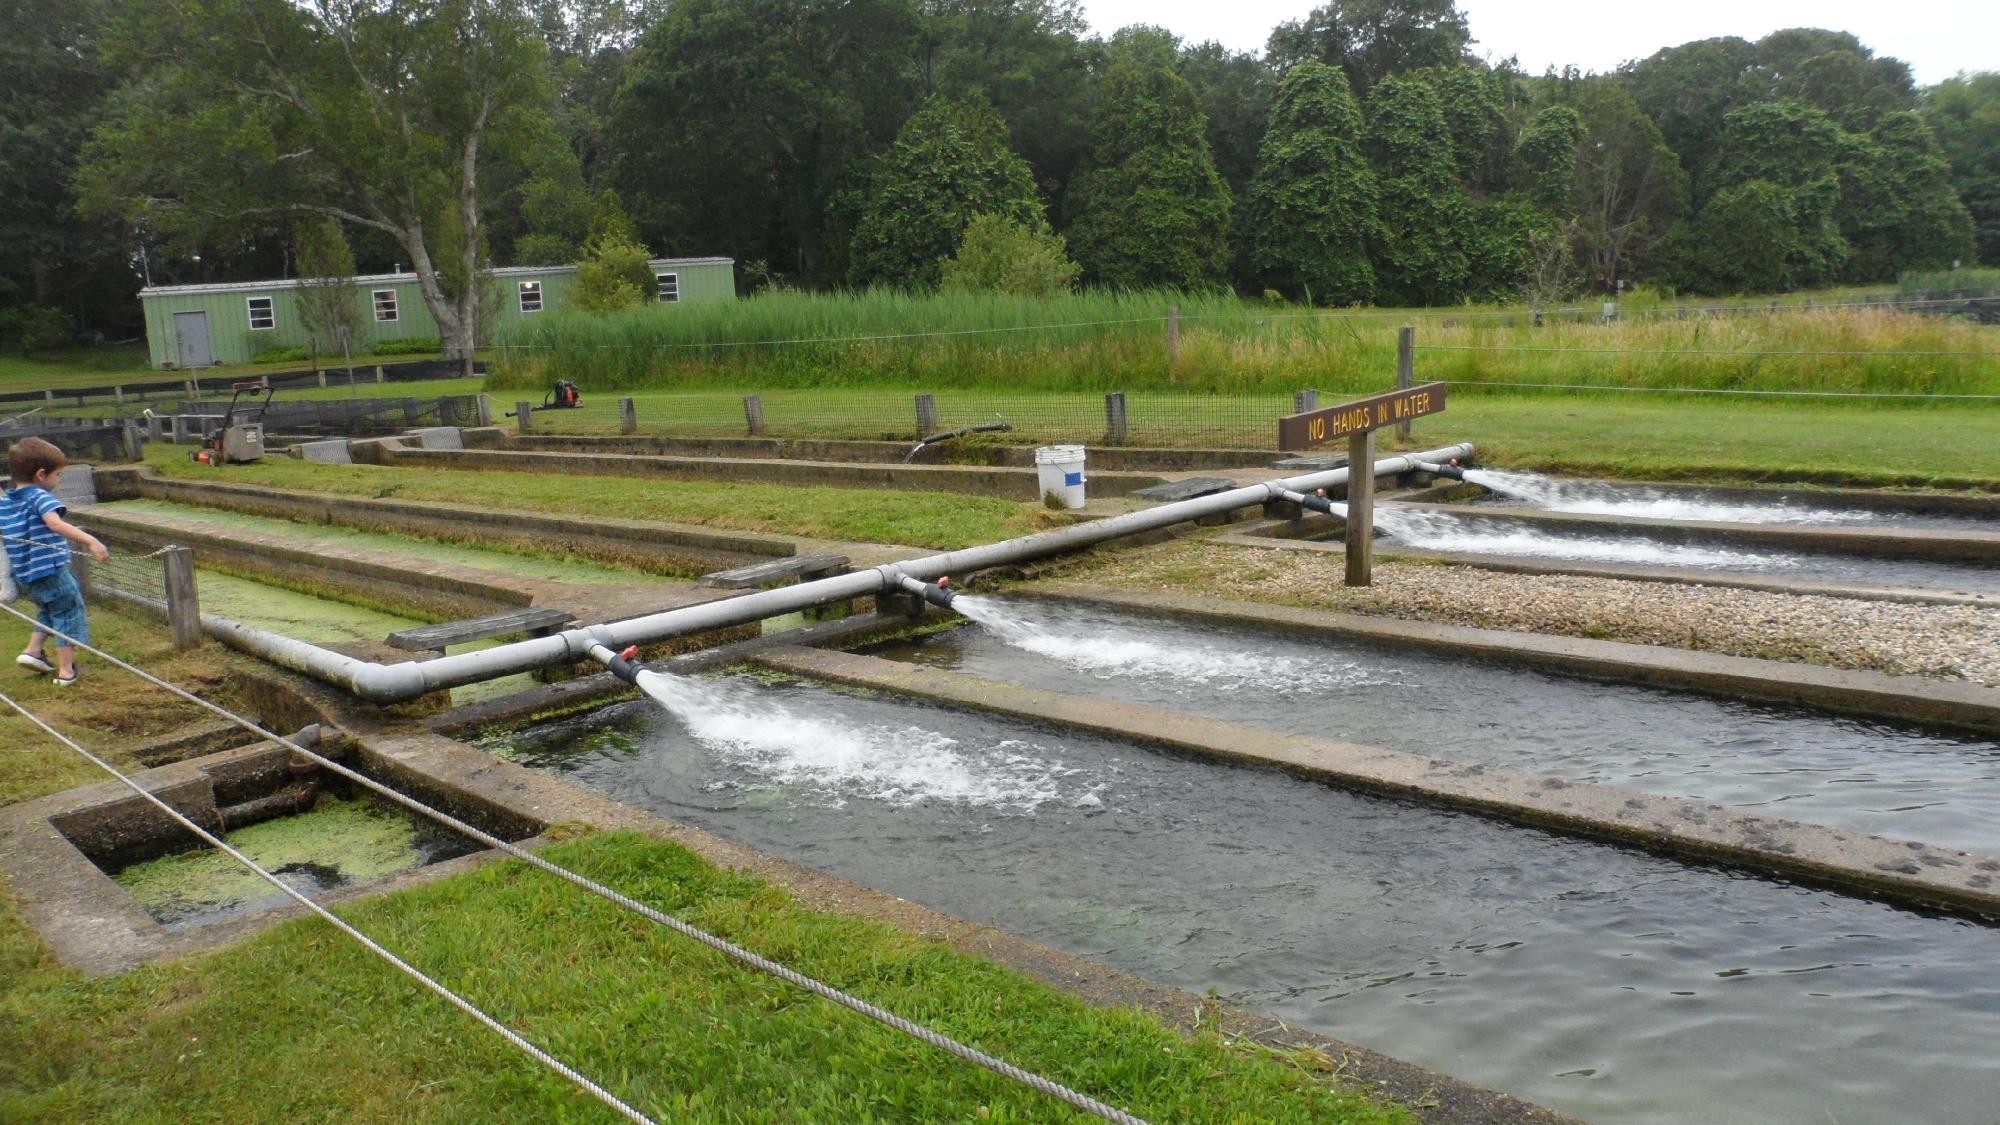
<point x="32" y="520"/>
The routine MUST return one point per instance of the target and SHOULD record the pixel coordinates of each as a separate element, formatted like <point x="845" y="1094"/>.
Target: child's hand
<point x="98" y="551"/>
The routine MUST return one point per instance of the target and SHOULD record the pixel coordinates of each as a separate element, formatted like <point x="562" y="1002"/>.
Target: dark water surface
<point x="1780" y="761"/>
<point x="1605" y="983"/>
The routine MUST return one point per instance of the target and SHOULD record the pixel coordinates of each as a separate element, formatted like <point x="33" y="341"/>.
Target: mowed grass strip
<point x="1630" y="435"/>
<point x="919" y="519"/>
<point x="301" y="1024"/>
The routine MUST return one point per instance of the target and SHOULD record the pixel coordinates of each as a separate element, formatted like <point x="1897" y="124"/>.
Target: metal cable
<point x="1719" y="390"/>
<point x="464" y="1005"/>
<point x="1895" y="353"/>
<point x="838" y="339"/>
<point x="996" y="1065"/>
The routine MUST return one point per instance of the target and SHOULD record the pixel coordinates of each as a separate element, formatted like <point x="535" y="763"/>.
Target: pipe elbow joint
<point x="1451" y="471"/>
<point x="940" y="595"/>
<point x="389" y="683"/>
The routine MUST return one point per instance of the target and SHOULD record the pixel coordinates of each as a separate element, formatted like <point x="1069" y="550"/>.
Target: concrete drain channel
<point x="112" y="882"/>
<point x="1593" y="979"/>
<point x="1624" y="901"/>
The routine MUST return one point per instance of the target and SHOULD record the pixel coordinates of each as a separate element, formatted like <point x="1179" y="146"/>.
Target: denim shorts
<point x="60" y="601"/>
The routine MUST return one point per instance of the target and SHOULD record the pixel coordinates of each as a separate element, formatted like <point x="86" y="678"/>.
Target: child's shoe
<point x="66" y="681"/>
<point x="30" y="660"/>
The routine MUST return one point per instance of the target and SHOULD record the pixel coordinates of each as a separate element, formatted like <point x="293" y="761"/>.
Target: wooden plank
<point x="802" y="567"/>
<point x="446" y="633"/>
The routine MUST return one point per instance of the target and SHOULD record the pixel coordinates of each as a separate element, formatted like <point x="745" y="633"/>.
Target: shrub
<point x="419" y="346"/>
<point x="295" y="354"/>
<point x="34" y="328"/>
<point x="999" y="255"/>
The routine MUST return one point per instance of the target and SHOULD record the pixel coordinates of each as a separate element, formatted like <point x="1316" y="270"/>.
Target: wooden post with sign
<point x="1357" y="421"/>
<point x="1361" y="508"/>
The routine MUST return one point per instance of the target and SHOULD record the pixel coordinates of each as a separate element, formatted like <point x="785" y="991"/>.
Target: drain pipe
<point x="396" y="683"/>
<point x="1451" y="469"/>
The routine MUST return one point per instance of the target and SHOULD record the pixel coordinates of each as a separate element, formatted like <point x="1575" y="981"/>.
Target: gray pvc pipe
<point x="395" y="683"/>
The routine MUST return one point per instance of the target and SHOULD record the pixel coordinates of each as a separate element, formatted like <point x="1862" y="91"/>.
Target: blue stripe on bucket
<point x="1072" y="478"/>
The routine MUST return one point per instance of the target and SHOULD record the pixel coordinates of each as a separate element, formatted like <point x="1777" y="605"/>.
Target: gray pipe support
<point x="395" y="683"/>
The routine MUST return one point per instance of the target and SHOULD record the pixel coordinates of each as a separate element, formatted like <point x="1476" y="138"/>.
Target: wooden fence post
<point x="1305" y="400"/>
<point x="753" y="414"/>
<point x="927" y="422"/>
<point x="523" y="411"/>
<point x="1173" y="335"/>
<point x="1406" y="368"/>
<point x="482" y="408"/>
<point x="183" y="605"/>
<point x="1115" y="427"/>
<point x="628" y="416"/>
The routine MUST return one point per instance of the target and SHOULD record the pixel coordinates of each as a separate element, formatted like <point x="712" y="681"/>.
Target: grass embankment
<point x="918" y="519"/>
<point x="1100" y="341"/>
<point x="115" y="363"/>
<point x="300" y="1023"/>
<point x="103" y="711"/>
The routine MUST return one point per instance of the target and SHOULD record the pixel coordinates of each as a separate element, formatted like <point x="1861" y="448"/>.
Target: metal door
<point x="191" y="330"/>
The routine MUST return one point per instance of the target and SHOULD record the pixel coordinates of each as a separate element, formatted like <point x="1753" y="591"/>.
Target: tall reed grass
<point x="1101" y="341"/>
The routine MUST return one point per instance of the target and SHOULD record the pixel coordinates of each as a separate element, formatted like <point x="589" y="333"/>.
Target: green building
<point x="235" y="322"/>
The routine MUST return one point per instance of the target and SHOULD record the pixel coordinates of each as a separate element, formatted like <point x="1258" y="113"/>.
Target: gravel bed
<point x="1948" y="642"/>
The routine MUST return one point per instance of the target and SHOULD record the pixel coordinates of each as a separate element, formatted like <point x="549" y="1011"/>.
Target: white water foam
<point x="1105" y="649"/>
<point x="1595" y="498"/>
<point x="828" y="761"/>
<point x="1442" y="531"/>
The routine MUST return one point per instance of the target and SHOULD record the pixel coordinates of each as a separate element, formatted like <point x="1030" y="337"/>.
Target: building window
<point x="670" y="287"/>
<point x="262" y="315"/>
<point x="385" y="304"/>
<point x="531" y="296"/>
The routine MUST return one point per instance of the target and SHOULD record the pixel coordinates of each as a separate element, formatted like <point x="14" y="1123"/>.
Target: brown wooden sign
<point x="1303" y="431"/>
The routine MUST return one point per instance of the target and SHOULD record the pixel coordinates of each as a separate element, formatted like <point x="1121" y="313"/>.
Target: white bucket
<point x="1060" y="469"/>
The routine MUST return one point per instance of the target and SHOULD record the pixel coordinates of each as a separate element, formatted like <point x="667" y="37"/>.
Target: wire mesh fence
<point x="1148" y="418"/>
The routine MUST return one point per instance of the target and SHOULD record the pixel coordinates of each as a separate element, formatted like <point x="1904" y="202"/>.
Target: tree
<point x="949" y="163"/>
<point x="1029" y="58"/>
<point x="739" y="120"/>
<point x="1423" y="214"/>
<point x="382" y="115"/>
<point x="56" y="264"/>
<point x="614" y="273"/>
<point x="1629" y="187"/>
<point x="1311" y="210"/>
<point x="1964" y="113"/>
<point x="1755" y="237"/>
<point x="328" y="302"/>
<point x="1686" y="90"/>
<point x="1148" y="208"/>
<point x="1372" y="39"/>
<point x="1000" y="255"/>
<point x="1897" y="208"/>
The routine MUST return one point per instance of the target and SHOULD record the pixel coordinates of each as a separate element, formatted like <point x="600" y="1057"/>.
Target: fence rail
<point x="194" y="384"/>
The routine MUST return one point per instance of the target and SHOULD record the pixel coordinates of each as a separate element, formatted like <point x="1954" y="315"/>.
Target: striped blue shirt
<point x="33" y="551"/>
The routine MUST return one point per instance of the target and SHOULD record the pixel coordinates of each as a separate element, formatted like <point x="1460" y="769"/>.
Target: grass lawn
<point x="1641" y="436"/>
<point x="299" y="1023"/>
<point x="105" y="366"/>
<point x="919" y="519"/>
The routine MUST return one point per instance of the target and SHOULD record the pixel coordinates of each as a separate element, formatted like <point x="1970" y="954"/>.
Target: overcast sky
<point x="1938" y="38"/>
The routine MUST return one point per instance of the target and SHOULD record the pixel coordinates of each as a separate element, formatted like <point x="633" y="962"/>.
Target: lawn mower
<point x="235" y="442"/>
